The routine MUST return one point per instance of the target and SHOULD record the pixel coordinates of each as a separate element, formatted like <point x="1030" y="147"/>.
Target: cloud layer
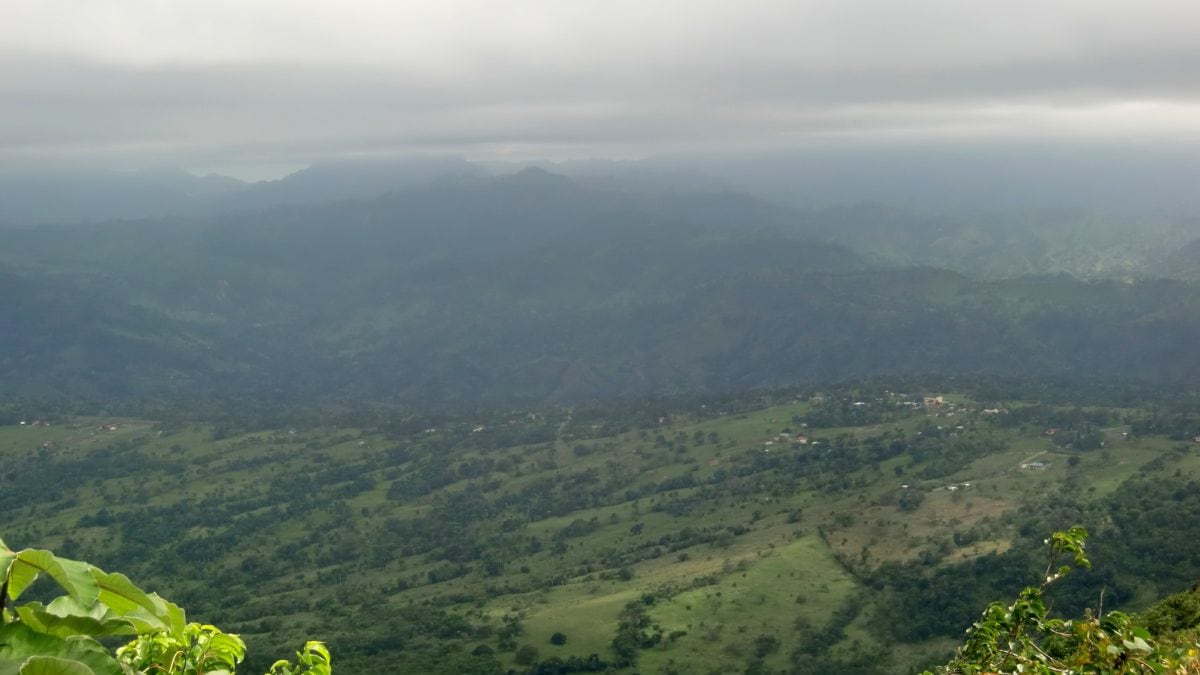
<point x="229" y="82"/>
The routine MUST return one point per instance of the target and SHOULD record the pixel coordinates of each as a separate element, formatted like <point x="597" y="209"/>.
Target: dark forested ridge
<point x="533" y="287"/>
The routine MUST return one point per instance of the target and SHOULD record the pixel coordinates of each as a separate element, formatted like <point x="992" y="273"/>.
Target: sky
<point x="247" y="85"/>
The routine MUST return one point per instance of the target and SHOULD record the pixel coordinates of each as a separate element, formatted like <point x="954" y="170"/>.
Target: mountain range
<point x="537" y="287"/>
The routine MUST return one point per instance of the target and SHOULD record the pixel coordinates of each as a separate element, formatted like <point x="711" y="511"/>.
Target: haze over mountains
<point x="52" y="195"/>
<point x="447" y="283"/>
<point x="937" y="178"/>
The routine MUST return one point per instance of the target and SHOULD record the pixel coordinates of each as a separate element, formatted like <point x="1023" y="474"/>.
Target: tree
<point x="558" y="639"/>
<point x="526" y="655"/>
<point x="765" y="644"/>
<point x="1022" y="637"/>
<point x="63" y="636"/>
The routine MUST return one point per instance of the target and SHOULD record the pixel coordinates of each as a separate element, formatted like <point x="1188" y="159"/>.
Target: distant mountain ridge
<point x="334" y="181"/>
<point x="76" y="196"/>
<point x="532" y="287"/>
<point x="1003" y="245"/>
<point x="989" y="244"/>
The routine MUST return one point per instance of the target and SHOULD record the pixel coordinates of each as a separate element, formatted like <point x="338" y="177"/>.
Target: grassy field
<point x="775" y="593"/>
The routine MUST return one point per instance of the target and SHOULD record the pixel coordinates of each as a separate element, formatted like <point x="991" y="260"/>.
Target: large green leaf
<point x="75" y="577"/>
<point x="146" y="611"/>
<point x="65" y="617"/>
<point x="19" y="642"/>
<point x="53" y="665"/>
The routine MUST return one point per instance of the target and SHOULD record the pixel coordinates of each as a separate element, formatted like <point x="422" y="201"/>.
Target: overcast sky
<point x="246" y="84"/>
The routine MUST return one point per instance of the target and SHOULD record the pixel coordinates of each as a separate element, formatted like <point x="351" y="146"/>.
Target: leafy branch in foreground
<point x="1023" y="638"/>
<point x="62" y="637"/>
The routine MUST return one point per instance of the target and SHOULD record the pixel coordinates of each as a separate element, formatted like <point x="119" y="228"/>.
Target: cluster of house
<point x="35" y="424"/>
<point x="1036" y="466"/>
<point x="926" y="401"/>
<point x="936" y="403"/>
<point x="785" y="437"/>
<point x="940" y="407"/>
<point x="107" y="427"/>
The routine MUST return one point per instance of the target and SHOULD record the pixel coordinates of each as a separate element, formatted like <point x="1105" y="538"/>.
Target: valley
<point x="802" y="530"/>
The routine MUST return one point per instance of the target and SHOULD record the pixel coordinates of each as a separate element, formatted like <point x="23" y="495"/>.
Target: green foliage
<point x="635" y="631"/>
<point x="1023" y="637"/>
<point x="199" y="650"/>
<point x="1176" y="613"/>
<point x="312" y="660"/>
<point x="22" y="648"/>
<point x="60" y="638"/>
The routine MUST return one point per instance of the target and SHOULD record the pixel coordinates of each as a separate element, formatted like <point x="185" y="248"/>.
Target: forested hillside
<point x="533" y="288"/>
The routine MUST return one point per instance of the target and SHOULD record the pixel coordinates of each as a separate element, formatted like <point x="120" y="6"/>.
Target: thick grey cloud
<point x="281" y="81"/>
